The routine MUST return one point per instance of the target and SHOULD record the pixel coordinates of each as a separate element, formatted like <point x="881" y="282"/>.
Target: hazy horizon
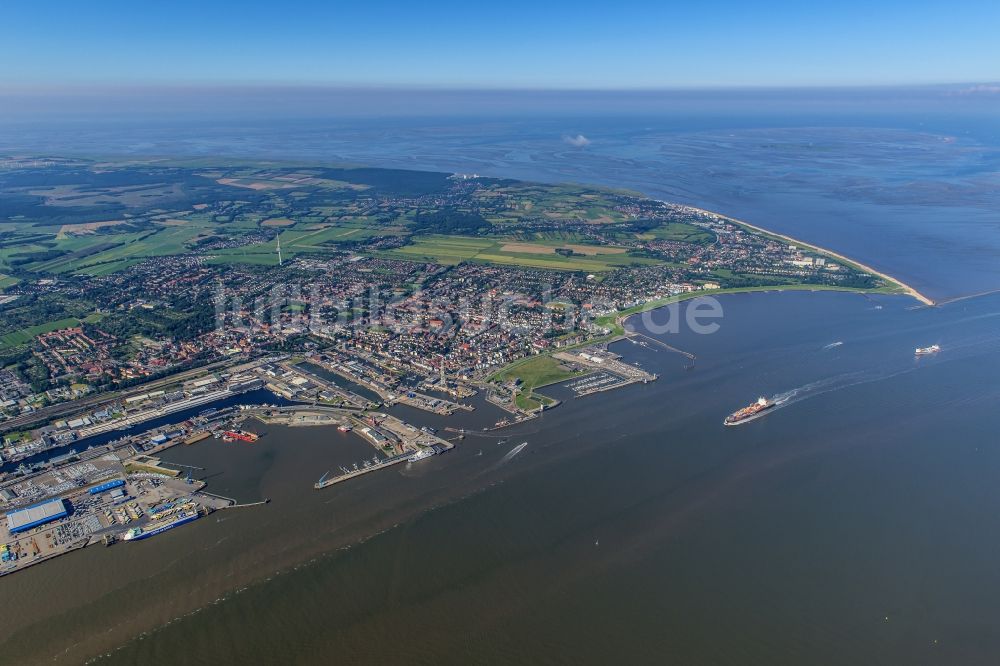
<point x="180" y="102"/>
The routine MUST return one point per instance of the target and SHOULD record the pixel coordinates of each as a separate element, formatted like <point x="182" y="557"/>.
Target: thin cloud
<point x="982" y="89"/>
<point x="578" y="141"/>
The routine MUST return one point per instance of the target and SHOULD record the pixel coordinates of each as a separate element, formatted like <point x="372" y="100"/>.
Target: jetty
<point x="661" y="343"/>
<point x="326" y="480"/>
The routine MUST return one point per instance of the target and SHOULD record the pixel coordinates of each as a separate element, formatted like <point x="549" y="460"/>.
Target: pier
<point x="608" y="371"/>
<point x="327" y="481"/>
<point x="661" y="343"/>
<point x="230" y="500"/>
<point x="246" y="505"/>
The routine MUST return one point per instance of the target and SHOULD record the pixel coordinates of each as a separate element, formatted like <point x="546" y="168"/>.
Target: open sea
<point x="857" y="523"/>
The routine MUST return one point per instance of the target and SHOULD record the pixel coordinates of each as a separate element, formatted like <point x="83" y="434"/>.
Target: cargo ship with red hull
<point x="750" y="412"/>
<point x="241" y="435"/>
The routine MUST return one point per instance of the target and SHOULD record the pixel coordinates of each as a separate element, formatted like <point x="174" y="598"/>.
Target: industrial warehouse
<point x="25" y="519"/>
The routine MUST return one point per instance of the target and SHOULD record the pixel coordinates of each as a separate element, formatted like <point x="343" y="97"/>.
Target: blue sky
<point x="511" y="44"/>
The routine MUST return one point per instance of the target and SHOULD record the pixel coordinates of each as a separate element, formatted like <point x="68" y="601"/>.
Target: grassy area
<point x="681" y="232"/>
<point x="265" y="254"/>
<point x="526" y="402"/>
<point x="451" y="250"/>
<point x="24" y="335"/>
<point x="559" y="202"/>
<point x="535" y="372"/>
<point x="95" y="270"/>
<point x="8" y="255"/>
<point x="443" y="249"/>
<point x="295" y="242"/>
<point x="342" y="232"/>
<point x="132" y="467"/>
<point x="239" y="255"/>
<point x="532" y="401"/>
<point x="101" y="254"/>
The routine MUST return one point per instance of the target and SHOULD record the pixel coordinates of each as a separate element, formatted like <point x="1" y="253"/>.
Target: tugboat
<point x="927" y="351"/>
<point x="750" y="412"/>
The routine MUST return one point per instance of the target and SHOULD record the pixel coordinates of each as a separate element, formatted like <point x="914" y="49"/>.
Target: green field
<point x="443" y="249"/>
<point x="535" y="372"/>
<point x="572" y="203"/>
<point x="20" y="337"/>
<point x="680" y="232"/>
<point x="95" y="270"/>
<point x="154" y="214"/>
<point x="100" y="254"/>
<point x="451" y="250"/>
<point x="263" y="254"/>
<point x="303" y="240"/>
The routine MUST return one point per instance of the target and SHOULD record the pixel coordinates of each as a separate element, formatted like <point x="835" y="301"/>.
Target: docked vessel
<point x="422" y="453"/>
<point x="159" y="527"/>
<point x="243" y="436"/>
<point x="750" y="412"/>
<point x="343" y="427"/>
<point x="926" y="351"/>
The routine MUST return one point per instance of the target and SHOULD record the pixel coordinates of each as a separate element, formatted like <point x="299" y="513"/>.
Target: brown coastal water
<point x="855" y="524"/>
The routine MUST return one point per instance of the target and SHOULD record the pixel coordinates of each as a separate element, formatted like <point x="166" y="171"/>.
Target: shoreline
<point x="907" y="289"/>
<point x="619" y="318"/>
<point x="622" y="316"/>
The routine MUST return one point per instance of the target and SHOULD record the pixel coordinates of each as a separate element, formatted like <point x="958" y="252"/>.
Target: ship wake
<point x="510" y="455"/>
<point x="513" y="452"/>
<point x="836" y="383"/>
